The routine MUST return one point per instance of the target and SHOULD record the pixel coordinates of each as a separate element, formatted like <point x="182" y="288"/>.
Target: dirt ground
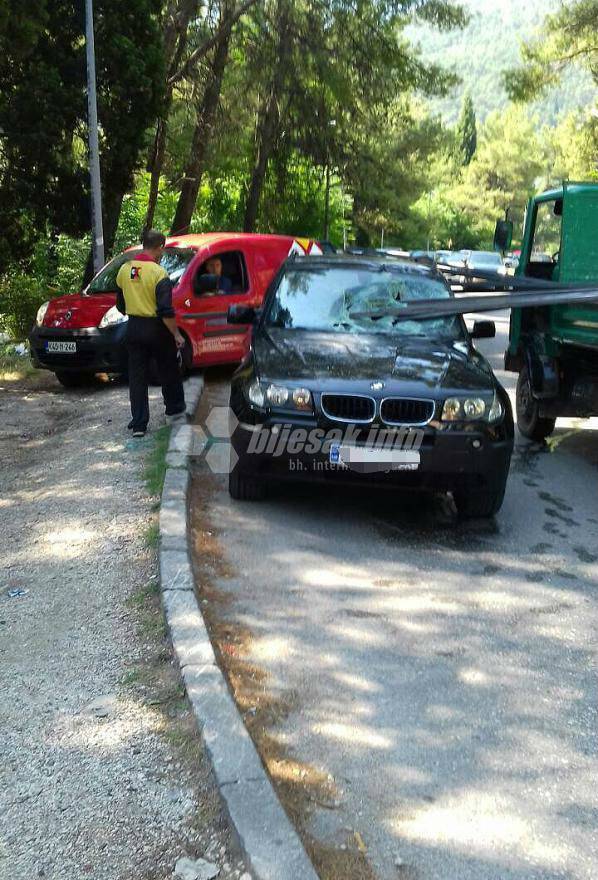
<point x="102" y="773"/>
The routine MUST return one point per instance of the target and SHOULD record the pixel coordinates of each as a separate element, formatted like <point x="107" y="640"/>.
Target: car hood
<point x="330" y="360"/>
<point x="76" y="311"/>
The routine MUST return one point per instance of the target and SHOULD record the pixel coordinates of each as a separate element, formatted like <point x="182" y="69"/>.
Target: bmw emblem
<point x="378" y="385"/>
<point x="68" y="315"/>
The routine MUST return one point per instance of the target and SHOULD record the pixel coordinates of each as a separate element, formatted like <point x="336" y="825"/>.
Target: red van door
<point x="203" y="316"/>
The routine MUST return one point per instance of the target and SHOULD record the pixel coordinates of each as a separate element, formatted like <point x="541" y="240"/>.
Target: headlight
<point x="255" y="394"/>
<point x="277" y="395"/>
<point x="496" y="410"/>
<point x="474" y="408"/>
<point x="41" y="313"/>
<point x="468" y="409"/>
<point x="112" y="316"/>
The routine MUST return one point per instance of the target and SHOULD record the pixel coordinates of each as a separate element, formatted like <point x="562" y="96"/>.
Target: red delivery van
<point x="80" y="334"/>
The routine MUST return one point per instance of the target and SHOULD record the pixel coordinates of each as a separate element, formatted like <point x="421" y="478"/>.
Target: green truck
<point x="554" y="348"/>
<point x="553" y="297"/>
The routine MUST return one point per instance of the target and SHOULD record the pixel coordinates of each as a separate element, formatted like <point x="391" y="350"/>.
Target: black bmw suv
<point x="337" y="387"/>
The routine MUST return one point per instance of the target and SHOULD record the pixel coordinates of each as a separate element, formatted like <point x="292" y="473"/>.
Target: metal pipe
<point x="437" y="308"/>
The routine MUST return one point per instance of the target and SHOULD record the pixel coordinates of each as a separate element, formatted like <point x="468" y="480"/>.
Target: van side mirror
<point x="242" y="315"/>
<point x="483" y="330"/>
<point x="203" y="284"/>
<point x="503" y="235"/>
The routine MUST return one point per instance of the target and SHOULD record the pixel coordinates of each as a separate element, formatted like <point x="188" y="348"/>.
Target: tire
<point x="74" y="380"/>
<point x="244" y="488"/>
<point x="530" y="423"/>
<point x="480" y="502"/>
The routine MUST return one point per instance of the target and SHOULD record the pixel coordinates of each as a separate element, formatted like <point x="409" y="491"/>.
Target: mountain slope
<point x="489" y="45"/>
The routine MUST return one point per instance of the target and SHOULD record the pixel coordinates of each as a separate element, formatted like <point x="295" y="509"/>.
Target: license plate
<point x="376" y="459"/>
<point x="62" y="347"/>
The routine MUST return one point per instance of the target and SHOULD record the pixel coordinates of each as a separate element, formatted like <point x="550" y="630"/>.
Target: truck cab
<point x="555" y="348"/>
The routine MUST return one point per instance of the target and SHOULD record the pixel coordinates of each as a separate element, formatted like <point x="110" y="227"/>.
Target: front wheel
<point x="529" y="421"/>
<point x="74" y="380"/>
<point x="484" y="502"/>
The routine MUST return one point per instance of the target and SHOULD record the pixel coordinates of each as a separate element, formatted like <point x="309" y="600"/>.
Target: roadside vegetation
<point x="154" y="468"/>
<point x="306" y="118"/>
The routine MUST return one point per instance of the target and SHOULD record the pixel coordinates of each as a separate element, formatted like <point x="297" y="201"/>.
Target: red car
<point x="78" y="335"/>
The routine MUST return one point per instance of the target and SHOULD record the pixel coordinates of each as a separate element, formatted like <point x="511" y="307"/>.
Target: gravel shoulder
<point x="102" y="773"/>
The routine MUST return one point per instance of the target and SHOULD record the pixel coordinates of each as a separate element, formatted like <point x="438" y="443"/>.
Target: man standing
<point x="152" y="334"/>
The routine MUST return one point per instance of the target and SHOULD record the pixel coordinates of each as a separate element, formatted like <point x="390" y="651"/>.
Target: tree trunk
<point x="178" y="17"/>
<point x="201" y="141"/>
<point x="269" y="118"/>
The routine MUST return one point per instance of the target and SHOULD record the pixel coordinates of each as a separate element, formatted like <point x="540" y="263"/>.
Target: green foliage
<point x="154" y="469"/>
<point x="466" y="135"/>
<point x="567" y="37"/>
<point x="462" y="205"/>
<point x="43" y="113"/>
<point x="20" y="297"/>
<point x="490" y="44"/>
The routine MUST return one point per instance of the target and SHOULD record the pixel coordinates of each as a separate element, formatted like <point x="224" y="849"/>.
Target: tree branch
<point x="212" y="41"/>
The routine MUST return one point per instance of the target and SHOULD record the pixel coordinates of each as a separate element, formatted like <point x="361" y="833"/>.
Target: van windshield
<point x="174" y="260"/>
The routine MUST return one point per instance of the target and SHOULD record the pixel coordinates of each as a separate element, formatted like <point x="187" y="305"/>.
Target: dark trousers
<point x="149" y="339"/>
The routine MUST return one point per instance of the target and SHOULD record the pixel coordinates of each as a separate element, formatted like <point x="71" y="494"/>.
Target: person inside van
<point x="213" y="266"/>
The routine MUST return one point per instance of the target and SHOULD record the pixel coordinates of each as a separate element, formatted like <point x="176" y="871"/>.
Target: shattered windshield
<point x="326" y="299"/>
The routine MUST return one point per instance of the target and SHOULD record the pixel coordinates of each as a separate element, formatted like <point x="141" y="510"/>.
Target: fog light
<point x="477" y="444"/>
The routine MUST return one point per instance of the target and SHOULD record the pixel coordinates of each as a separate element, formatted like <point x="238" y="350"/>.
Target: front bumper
<point x="98" y="351"/>
<point x="448" y="458"/>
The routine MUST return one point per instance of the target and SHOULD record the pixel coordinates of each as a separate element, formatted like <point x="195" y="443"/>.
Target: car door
<point x="205" y="318"/>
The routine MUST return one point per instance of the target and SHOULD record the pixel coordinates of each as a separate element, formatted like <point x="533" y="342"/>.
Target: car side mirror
<point x="483" y="330"/>
<point x="203" y="284"/>
<point x="242" y="315"/>
<point x="503" y="235"/>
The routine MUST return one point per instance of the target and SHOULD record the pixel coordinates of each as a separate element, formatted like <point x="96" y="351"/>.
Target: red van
<point x="78" y="335"/>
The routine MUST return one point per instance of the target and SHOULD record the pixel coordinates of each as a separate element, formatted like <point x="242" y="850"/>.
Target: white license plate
<point x="62" y="347"/>
<point x="382" y="459"/>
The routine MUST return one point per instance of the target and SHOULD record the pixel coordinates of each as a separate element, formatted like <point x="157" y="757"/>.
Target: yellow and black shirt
<point x="146" y="288"/>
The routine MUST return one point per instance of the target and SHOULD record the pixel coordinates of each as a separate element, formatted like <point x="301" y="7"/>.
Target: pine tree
<point x="466" y="134"/>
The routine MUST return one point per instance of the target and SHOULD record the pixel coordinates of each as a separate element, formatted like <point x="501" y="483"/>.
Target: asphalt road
<point x="444" y="674"/>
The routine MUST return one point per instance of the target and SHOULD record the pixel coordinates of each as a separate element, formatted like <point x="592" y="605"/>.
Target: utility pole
<point x="97" y="229"/>
<point x="327" y="203"/>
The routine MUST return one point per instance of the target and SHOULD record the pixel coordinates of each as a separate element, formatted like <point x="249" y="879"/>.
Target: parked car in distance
<point x="80" y="334"/>
<point x="454" y="259"/>
<point x="488" y="261"/>
<point x="329" y="354"/>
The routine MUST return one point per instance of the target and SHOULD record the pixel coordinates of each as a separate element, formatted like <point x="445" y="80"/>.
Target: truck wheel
<point x="530" y="423"/>
<point x="74" y="380"/>
<point x="484" y="502"/>
<point x="244" y="488"/>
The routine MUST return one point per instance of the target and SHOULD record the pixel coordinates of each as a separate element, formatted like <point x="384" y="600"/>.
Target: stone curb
<point x="270" y="844"/>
